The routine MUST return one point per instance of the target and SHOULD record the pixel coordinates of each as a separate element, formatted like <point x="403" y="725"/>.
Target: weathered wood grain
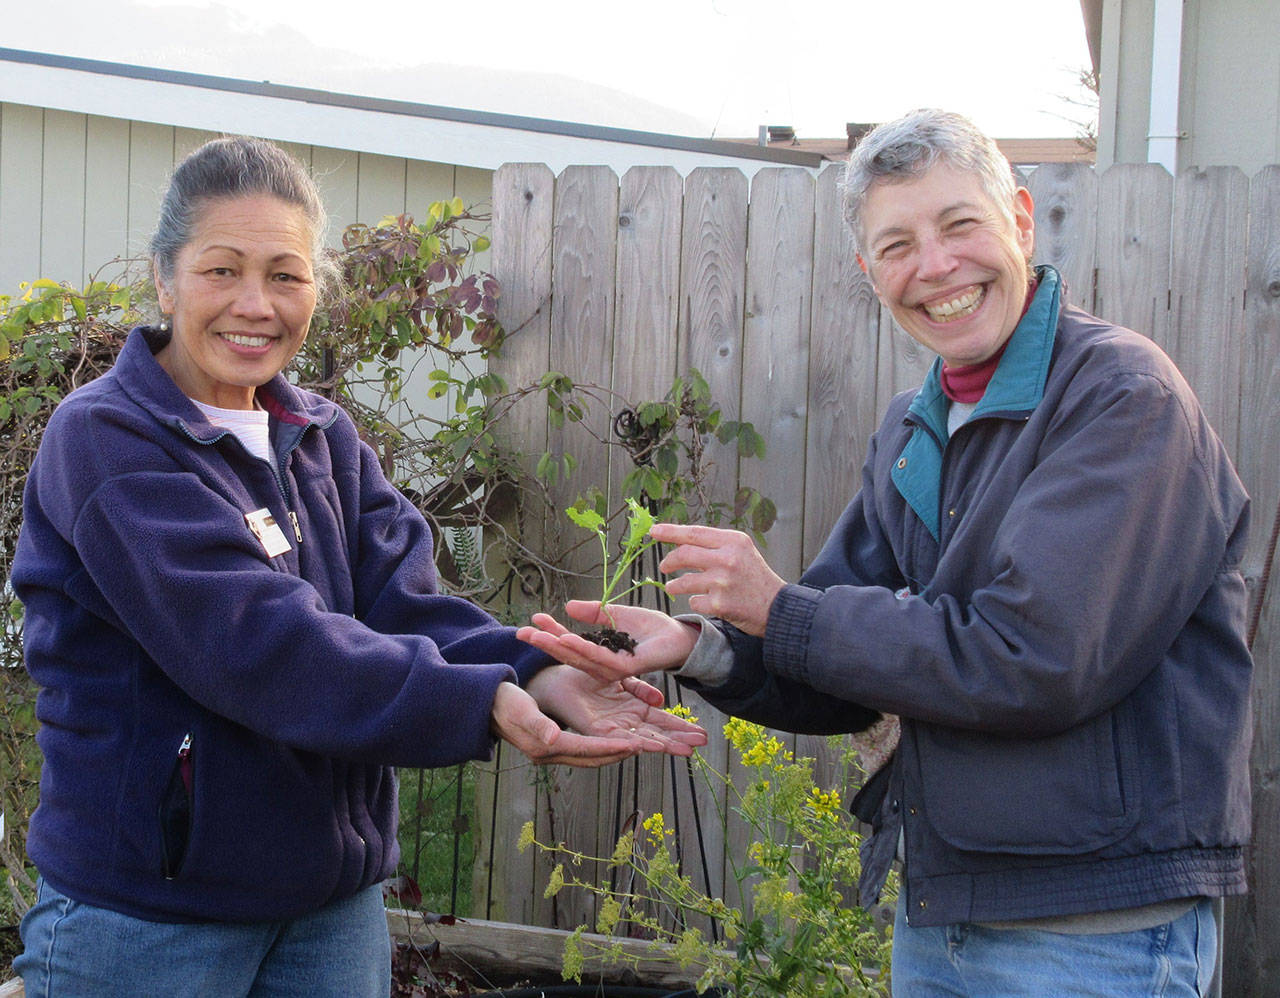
<point x="843" y="346"/>
<point x="1065" y="196"/>
<point x="1135" y="202"/>
<point x="1207" y="282"/>
<point x="775" y="369"/>
<point x="646" y="319"/>
<point x="712" y="282"/>
<point x="1252" y="953"/>
<point x="582" y="342"/>
<point x="505" y="884"/>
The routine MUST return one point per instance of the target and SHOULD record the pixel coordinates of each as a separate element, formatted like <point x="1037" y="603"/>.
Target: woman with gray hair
<point x="1040" y="577"/>
<point x="235" y="624"/>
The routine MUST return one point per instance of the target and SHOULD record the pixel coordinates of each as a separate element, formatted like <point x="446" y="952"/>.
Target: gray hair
<point x="238" y="167"/>
<point x="910" y="147"/>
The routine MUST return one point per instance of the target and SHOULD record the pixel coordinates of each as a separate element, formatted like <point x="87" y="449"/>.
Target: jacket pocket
<point x="1065" y="794"/>
<point x="176" y="811"/>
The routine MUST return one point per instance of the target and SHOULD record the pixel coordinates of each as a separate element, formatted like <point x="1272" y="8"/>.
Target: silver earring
<point x="163" y="325"/>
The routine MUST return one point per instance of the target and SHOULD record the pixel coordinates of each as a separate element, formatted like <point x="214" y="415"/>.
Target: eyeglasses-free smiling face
<point x="241" y="299"/>
<point x="946" y="262"/>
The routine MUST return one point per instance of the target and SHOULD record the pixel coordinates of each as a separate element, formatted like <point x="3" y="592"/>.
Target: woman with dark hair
<point x="235" y="623"/>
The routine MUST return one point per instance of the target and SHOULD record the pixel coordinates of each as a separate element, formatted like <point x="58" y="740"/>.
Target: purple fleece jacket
<point x="218" y="724"/>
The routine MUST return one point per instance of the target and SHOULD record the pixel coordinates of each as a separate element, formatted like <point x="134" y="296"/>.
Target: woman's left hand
<point x="630" y="708"/>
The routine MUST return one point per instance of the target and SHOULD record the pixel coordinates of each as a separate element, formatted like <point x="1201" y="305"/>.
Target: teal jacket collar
<point x="1015" y="390"/>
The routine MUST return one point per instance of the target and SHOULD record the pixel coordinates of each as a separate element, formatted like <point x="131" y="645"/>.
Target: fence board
<point x="646" y="309"/>
<point x="504" y="885"/>
<point x="776" y="349"/>
<point x="713" y="274"/>
<point x="582" y="328"/>
<point x="843" y="337"/>
<point x="1207" y="281"/>
<point x="1253" y="928"/>
<point x="1134" y="229"/>
<point x="1066" y="200"/>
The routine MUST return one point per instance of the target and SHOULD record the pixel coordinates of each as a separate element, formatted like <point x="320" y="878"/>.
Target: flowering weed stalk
<point x="795" y="935"/>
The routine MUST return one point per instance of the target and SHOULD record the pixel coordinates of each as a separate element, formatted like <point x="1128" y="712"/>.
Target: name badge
<point x="268" y="532"/>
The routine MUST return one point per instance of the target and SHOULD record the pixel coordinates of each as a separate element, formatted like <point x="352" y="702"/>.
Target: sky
<point x="712" y="68"/>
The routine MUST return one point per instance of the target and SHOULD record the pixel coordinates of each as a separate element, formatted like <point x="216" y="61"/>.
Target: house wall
<point x="1230" y="83"/>
<point x="78" y="190"/>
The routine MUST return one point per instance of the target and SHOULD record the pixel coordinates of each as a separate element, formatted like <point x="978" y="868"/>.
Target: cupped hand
<point x="613" y="709"/>
<point x="724" y="574"/>
<point x="518" y="720"/>
<point x="662" y="642"/>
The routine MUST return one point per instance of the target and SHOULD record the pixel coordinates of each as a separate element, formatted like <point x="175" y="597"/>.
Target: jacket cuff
<point x="786" y="635"/>
<point x="710" y="663"/>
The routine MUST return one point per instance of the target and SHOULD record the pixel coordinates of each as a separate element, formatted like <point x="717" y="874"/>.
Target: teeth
<point x="246" y="341"/>
<point x="957" y="307"/>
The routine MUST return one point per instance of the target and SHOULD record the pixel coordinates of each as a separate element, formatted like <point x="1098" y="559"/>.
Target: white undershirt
<point x="251" y="426"/>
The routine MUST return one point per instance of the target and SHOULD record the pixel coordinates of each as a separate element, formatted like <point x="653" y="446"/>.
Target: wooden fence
<point x="628" y="282"/>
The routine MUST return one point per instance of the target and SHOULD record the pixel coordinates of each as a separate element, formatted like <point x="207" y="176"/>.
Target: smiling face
<point x="241" y="298"/>
<point x="949" y="265"/>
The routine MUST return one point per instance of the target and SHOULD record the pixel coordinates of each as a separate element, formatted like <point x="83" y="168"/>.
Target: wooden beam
<point x="519" y="951"/>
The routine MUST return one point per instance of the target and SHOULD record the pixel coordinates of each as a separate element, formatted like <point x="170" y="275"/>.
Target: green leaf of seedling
<point x="586" y="518"/>
<point x="639" y="522"/>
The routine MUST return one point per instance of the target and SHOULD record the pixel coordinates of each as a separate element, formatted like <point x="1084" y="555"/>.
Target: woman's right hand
<point x="662" y="642"/>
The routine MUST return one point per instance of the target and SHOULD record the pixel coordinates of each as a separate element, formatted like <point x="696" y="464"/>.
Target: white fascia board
<point x="358" y="129"/>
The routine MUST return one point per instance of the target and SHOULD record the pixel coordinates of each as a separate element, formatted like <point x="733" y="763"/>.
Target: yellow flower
<point x="555" y="882"/>
<point x="689" y="947"/>
<point x="610" y="912"/>
<point x="526" y="837"/>
<point x="622" y="851"/>
<point x="656" y="826"/>
<point x="741" y="733"/>
<point x="573" y="961"/>
<point x="680" y="710"/>
<point x="824" y="803"/>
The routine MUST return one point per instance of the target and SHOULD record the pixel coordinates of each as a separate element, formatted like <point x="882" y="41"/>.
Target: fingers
<point x="643" y="691"/>
<point x="586" y="611"/>
<point x="577" y="651"/>
<point x="693" y="534"/>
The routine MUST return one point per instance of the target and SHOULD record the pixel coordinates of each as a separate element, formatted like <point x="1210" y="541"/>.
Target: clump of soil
<point x="612" y="639"/>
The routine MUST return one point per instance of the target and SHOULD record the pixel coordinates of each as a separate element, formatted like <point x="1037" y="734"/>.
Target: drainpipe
<point x="1166" y="66"/>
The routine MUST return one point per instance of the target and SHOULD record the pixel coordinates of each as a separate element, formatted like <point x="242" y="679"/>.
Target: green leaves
<point x="635" y="542"/>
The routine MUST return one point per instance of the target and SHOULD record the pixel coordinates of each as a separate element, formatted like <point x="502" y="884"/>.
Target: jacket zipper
<point x="176" y="812"/>
<point x="184" y="762"/>
<point x="277" y="472"/>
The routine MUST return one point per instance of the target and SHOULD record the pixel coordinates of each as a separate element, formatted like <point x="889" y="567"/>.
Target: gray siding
<point x="77" y="190"/>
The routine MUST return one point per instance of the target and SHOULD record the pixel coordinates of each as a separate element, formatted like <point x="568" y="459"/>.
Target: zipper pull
<point x="184" y="764"/>
<point x="297" y="529"/>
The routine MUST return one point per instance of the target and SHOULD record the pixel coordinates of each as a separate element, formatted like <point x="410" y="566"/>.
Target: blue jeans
<point x="968" y="961"/>
<point x="75" y="950"/>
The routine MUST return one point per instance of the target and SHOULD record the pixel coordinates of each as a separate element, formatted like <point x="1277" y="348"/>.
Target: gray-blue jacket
<point x="1069" y="659"/>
